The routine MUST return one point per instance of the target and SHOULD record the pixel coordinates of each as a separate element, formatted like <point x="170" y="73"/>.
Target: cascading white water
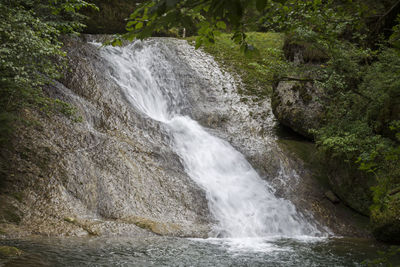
<point x="241" y="202"/>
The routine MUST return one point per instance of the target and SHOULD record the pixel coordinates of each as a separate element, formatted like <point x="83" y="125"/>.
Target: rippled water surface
<point x="163" y="251"/>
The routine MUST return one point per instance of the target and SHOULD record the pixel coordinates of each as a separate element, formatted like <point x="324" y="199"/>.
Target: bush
<point x="30" y="53"/>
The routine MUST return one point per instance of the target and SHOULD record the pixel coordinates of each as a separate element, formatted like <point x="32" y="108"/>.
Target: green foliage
<point x="362" y="126"/>
<point x="31" y="55"/>
<point x="395" y="37"/>
<point x="384" y="257"/>
<point x="209" y="17"/>
<point x="110" y="18"/>
<point x="313" y="16"/>
<point x="315" y="20"/>
<point x="257" y="72"/>
<point x="361" y="122"/>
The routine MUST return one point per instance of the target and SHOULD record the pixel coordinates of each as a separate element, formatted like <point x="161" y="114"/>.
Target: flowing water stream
<point x="242" y="203"/>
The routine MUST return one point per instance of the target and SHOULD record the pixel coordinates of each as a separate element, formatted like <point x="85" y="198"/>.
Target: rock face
<point x="113" y="172"/>
<point x="350" y="185"/>
<point x="298" y="105"/>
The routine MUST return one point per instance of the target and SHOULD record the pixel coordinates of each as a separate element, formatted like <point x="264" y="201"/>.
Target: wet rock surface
<point x="112" y="166"/>
<point x="250" y="127"/>
<point x="114" y="173"/>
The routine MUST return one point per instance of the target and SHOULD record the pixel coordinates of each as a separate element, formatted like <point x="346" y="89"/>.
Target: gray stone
<point x="88" y="177"/>
<point x="298" y="105"/>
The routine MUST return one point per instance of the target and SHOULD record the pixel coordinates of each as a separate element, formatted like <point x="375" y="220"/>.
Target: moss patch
<point x="160" y="228"/>
<point x="256" y="72"/>
<point x="85" y="225"/>
<point x="6" y="251"/>
<point x="385" y="215"/>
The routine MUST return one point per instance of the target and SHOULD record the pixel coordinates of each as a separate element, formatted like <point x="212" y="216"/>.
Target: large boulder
<point x="298" y="105"/>
<point x="351" y="185"/>
<point x="297" y="101"/>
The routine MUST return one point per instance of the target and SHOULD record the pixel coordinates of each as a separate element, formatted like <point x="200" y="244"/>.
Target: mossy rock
<point x="385" y="219"/>
<point x="6" y="252"/>
<point x="310" y="155"/>
<point x="70" y="220"/>
<point x="297" y="106"/>
<point x="256" y="79"/>
<point x="156" y="227"/>
<point x="350" y="184"/>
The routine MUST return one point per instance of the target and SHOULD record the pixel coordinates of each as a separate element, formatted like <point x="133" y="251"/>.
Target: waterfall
<point x="242" y="203"/>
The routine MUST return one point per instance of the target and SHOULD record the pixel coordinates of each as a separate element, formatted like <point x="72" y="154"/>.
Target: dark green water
<point x="163" y="251"/>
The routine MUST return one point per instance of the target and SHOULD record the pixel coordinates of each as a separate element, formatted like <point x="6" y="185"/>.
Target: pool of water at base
<point x="169" y="251"/>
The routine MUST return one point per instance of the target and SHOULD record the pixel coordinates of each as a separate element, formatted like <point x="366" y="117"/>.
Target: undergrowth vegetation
<point x="256" y="71"/>
<point x="351" y="49"/>
<point x="361" y="124"/>
<point x="31" y="57"/>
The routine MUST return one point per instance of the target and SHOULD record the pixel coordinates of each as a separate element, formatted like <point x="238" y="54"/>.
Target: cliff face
<point x="111" y="173"/>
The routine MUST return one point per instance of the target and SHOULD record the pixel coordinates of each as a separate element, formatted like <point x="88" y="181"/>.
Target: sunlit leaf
<point x="221" y="25"/>
<point x="139" y="26"/>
